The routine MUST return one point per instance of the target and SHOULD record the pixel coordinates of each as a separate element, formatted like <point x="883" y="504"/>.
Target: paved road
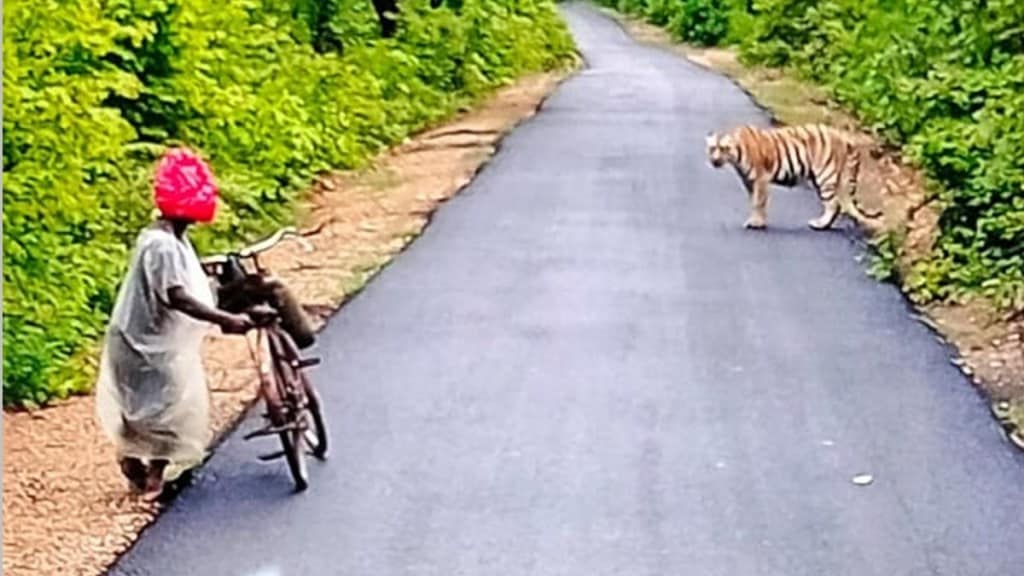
<point x="586" y="366"/>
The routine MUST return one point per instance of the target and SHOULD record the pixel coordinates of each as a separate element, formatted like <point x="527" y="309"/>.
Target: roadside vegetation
<point x="273" y="92"/>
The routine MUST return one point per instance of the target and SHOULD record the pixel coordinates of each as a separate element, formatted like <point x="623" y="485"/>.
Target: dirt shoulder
<point x="65" y="506"/>
<point x="990" y="346"/>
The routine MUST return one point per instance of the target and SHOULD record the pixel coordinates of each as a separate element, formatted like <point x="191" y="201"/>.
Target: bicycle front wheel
<point x="293" y="442"/>
<point x="291" y="391"/>
<point x="316" y="436"/>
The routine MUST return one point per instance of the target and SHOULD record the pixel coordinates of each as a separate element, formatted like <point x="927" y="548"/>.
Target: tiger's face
<point x="721" y="149"/>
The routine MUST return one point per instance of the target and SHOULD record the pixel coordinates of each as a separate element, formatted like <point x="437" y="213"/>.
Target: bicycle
<point x="293" y="406"/>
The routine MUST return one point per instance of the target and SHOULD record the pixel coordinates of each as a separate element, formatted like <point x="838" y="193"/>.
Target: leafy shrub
<point x="94" y="90"/>
<point x="65" y="158"/>
<point x="778" y="29"/>
<point x="660" y="12"/>
<point x="634" y="7"/>
<point x="703" y="22"/>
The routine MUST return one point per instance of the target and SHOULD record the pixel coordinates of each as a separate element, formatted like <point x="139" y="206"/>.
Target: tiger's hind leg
<point x="828" y="216"/>
<point x="830" y="207"/>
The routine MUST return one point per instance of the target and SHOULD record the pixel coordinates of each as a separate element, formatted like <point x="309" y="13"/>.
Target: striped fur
<point x="817" y="154"/>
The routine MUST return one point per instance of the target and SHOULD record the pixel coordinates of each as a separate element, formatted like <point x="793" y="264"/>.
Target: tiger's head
<point x="722" y="149"/>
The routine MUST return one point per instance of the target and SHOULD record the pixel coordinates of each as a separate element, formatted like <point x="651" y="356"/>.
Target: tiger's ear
<point x="710" y="138"/>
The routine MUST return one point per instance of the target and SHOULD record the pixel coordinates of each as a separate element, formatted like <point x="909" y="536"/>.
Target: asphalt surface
<point x="587" y="366"/>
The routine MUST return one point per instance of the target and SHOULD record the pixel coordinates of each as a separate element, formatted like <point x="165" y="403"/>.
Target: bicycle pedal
<point x="305" y="363"/>
<point x="268" y="430"/>
<point x="271" y="456"/>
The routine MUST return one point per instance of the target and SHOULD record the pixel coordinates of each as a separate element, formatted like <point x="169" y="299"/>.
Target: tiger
<point x="820" y="155"/>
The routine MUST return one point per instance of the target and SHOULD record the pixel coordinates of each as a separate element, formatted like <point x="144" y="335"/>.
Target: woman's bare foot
<point x="135" y="471"/>
<point x="154" y="484"/>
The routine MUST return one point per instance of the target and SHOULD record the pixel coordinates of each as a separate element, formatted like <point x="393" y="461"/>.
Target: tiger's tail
<point x="853" y="159"/>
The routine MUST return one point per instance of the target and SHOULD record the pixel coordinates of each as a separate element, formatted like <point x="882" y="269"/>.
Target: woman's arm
<point x="179" y="299"/>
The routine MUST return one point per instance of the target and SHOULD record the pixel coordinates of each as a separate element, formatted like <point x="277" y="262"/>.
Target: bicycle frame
<point x="291" y="401"/>
<point x="284" y="399"/>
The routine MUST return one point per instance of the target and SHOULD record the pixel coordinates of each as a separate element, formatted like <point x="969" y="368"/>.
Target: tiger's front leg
<point x="758" y="190"/>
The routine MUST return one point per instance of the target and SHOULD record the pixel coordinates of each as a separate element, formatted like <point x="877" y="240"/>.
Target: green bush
<point x="95" y="89"/>
<point x="702" y="22"/>
<point x="634" y="7"/>
<point x="776" y="27"/>
<point x="660" y="12"/>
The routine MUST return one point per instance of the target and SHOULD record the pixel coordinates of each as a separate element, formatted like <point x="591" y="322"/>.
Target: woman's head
<point x="183" y="187"/>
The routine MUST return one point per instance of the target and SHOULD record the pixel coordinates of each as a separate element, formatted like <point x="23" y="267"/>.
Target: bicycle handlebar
<point x="261" y="246"/>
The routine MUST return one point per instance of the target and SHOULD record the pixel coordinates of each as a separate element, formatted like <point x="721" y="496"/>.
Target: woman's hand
<point x="236" y="324"/>
<point x="229" y="323"/>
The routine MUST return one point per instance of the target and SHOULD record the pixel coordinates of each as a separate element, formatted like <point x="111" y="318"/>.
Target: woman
<point x="152" y="398"/>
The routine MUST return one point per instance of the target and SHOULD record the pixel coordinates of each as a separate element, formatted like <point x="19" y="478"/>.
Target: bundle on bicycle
<point x="292" y="404"/>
